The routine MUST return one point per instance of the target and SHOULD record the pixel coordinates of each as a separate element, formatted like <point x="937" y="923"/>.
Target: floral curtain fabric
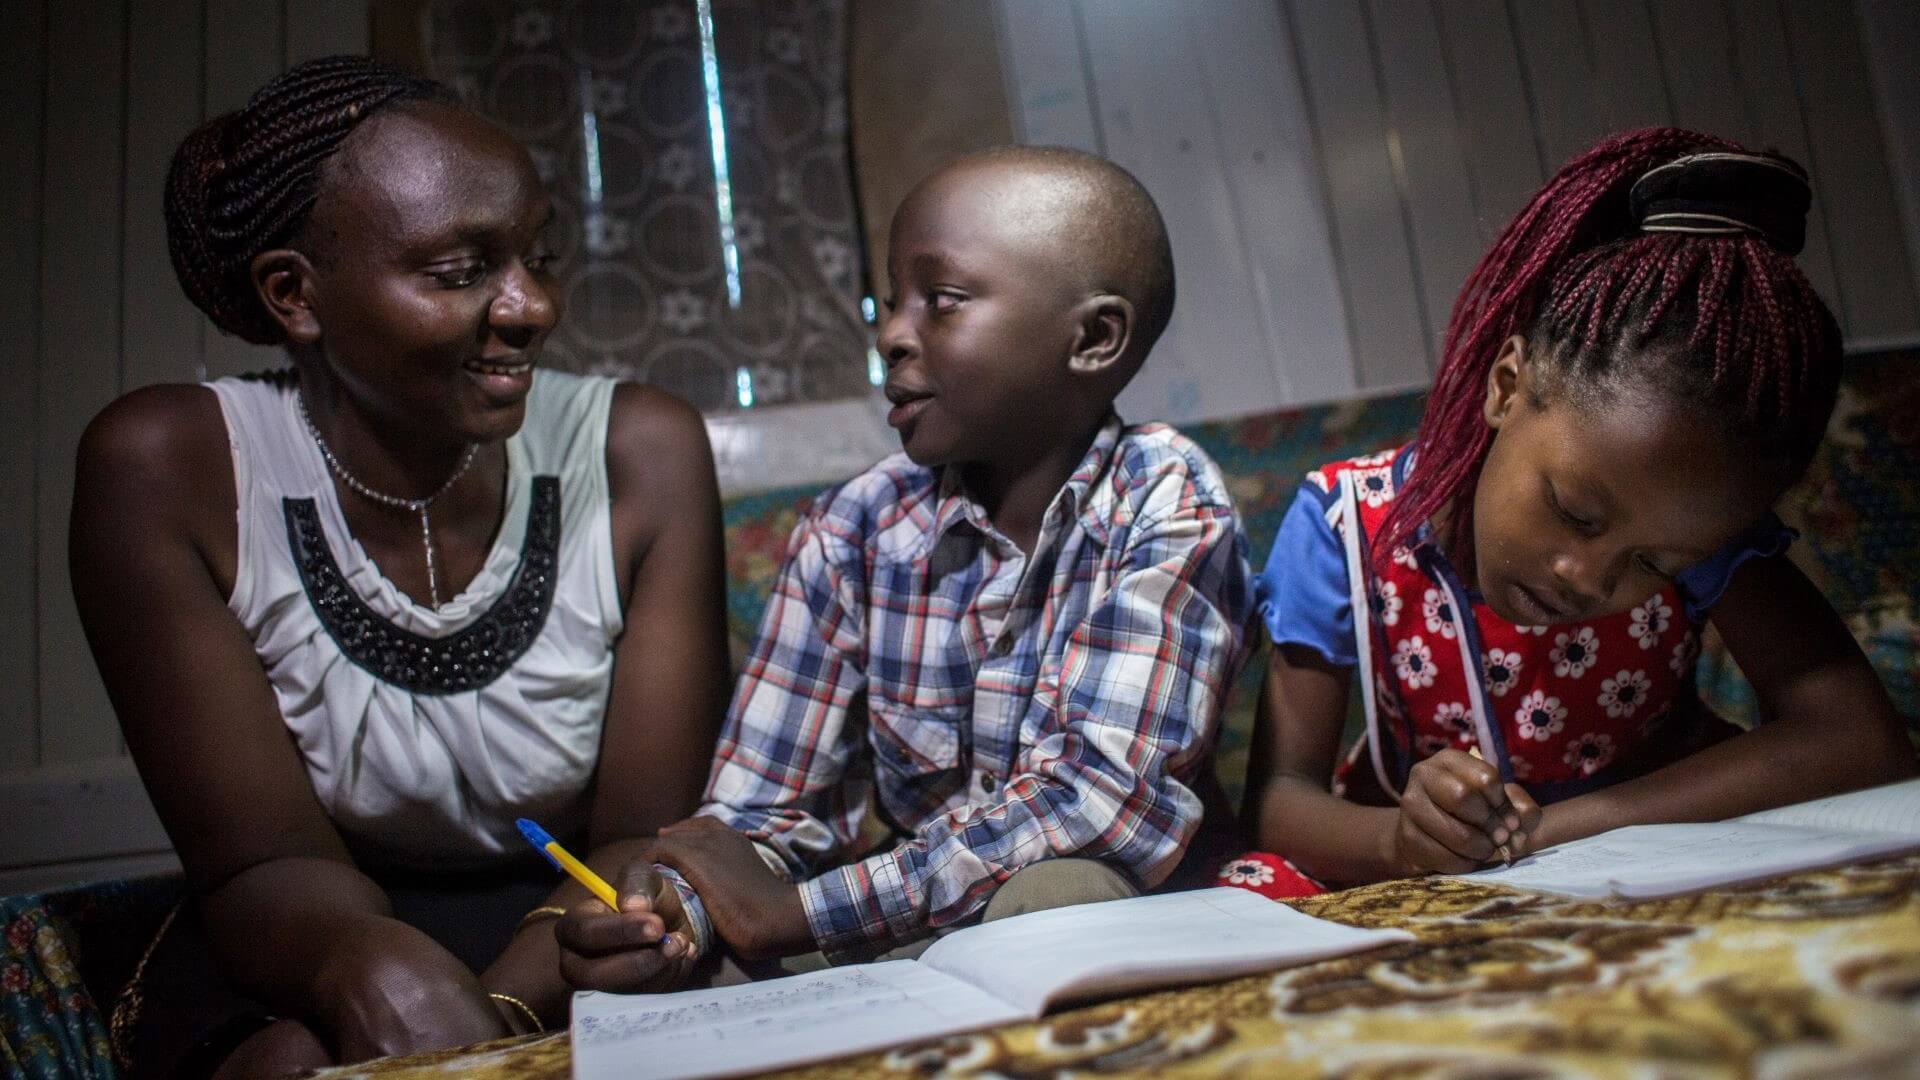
<point x="730" y="279"/>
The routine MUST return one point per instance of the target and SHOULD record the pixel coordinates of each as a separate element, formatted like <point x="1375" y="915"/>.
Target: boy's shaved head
<point x="1093" y="218"/>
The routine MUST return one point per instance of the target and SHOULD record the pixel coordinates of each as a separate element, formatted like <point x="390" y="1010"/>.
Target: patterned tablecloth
<point x="1812" y="976"/>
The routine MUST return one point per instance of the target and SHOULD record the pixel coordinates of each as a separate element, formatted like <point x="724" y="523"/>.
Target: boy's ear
<point x="1503" y="381"/>
<point x="284" y="280"/>
<point x="1105" y="329"/>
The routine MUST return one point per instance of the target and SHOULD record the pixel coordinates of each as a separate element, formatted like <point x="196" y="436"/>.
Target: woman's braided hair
<point x="1723" y="322"/>
<point x="245" y="182"/>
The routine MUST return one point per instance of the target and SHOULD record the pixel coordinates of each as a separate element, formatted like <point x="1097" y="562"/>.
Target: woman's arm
<point x="670" y="675"/>
<point x="1833" y="729"/>
<point x="1446" y="822"/>
<point x="292" y="921"/>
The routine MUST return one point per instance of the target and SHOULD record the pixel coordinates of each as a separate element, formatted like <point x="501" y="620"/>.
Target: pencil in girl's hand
<point x="1505" y="808"/>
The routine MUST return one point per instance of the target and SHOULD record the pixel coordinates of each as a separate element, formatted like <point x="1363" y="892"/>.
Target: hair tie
<point x="1723" y="193"/>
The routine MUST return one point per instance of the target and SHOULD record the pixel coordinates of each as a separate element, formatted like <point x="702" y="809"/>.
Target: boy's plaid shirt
<point x="995" y="709"/>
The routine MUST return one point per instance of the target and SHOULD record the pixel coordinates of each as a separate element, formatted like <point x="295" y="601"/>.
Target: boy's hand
<point x="1455" y="814"/>
<point x="759" y="915"/>
<point x="645" y="947"/>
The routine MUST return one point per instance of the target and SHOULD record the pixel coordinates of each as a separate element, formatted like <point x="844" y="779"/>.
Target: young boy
<point x="1011" y="642"/>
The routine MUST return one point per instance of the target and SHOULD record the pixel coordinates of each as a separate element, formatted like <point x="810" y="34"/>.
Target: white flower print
<point x="1539" y="717"/>
<point x="1650" y="620"/>
<point x="1439" y="613"/>
<point x="607" y="236"/>
<point x="1373" y="486"/>
<point x="1370" y="460"/>
<point x="1502" y="670"/>
<point x="532" y="28"/>
<point x="608" y="95"/>
<point x="1591" y="752"/>
<point x="1387" y="602"/>
<point x="1684" y="653"/>
<point x="833" y="257"/>
<point x="783" y="44"/>
<point x="1574" y="653"/>
<point x="1413" y="662"/>
<point x="677" y="165"/>
<point x="1405" y="557"/>
<point x="1452" y="717"/>
<point x="1246" y="872"/>
<point x="1536" y="631"/>
<point x="1623" y="694"/>
<point x="749" y="231"/>
<point x="682" y="312"/>
<point x="670" y="23"/>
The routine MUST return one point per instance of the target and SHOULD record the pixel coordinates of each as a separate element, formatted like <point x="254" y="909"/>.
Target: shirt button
<point x="1002" y="647"/>
<point x="986" y="782"/>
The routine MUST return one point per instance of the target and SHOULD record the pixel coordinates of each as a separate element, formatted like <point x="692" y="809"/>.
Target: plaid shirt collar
<point x="953" y="505"/>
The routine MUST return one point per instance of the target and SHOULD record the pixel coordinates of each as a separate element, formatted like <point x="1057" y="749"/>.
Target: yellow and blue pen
<point x="561" y="860"/>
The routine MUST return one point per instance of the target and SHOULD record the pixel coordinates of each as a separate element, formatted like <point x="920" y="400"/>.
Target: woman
<point x="358" y="616"/>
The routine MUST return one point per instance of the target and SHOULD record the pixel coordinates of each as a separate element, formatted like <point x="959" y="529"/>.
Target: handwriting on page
<point x="769" y="1009"/>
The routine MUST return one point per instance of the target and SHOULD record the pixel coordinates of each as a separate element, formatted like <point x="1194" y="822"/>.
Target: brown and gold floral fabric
<point x="1812" y="976"/>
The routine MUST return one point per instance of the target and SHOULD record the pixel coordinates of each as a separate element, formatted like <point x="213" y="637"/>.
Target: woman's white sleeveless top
<point x="427" y="732"/>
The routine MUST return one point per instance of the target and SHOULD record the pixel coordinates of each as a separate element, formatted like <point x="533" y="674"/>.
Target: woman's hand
<point x="1455" y="815"/>
<point x="645" y="947"/>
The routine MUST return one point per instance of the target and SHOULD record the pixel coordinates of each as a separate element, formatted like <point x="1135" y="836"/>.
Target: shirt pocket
<point x="917" y="755"/>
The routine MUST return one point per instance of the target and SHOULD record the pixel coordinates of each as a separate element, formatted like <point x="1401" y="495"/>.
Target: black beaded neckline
<point x="467" y="660"/>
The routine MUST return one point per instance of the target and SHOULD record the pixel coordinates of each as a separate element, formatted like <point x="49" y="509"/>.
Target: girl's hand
<point x="645" y="947"/>
<point x="1455" y="814"/>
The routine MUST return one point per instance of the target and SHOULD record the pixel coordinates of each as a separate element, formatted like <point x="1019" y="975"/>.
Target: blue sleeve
<point x="1302" y="594"/>
<point x="1702" y="583"/>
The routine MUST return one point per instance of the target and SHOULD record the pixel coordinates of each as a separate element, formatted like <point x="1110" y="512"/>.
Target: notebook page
<point x="1649" y="861"/>
<point x="792" y="1021"/>
<point x="1094" y="950"/>
<point x="1892" y="808"/>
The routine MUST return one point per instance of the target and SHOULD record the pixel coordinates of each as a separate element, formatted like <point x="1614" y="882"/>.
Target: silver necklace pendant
<point x="418" y="506"/>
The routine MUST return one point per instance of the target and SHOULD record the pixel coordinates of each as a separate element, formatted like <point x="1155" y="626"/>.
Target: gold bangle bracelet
<point x="550" y="911"/>
<point x="532" y="1017"/>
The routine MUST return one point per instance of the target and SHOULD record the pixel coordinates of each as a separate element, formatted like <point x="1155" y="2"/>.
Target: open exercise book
<point x="1646" y="862"/>
<point x="981" y="977"/>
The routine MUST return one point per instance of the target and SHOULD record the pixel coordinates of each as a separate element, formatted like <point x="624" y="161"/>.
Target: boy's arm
<point x="784" y="748"/>
<point x="1141" y="684"/>
<point x="1833" y="729"/>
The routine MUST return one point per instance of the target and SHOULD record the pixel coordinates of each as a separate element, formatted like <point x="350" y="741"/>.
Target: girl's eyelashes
<point x="1653" y="568"/>
<point x="944" y="299"/>
<point x="1579" y="524"/>
<point x="460" y="276"/>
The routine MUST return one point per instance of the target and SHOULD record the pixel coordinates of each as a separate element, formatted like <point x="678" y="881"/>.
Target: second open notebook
<point x="984" y="976"/>
<point x="1651" y="861"/>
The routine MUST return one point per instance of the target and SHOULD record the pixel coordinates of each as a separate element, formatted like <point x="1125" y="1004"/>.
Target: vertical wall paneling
<point x="1046" y="65"/>
<point x="21" y="102"/>
<point x="1631" y="86"/>
<point x="1390" y="341"/>
<point x="1432" y="155"/>
<point x="1696" y="52"/>
<point x="1891" y="30"/>
<point x="1491" y="101"/>
<point x="1558" y="64"/>
<point x="161" y="335"/>
<point x="323" y="28"/>
<point x="1155" y="117"/>
<point x="1876" y="278"/>
<point x="1768" y="88"/>
<point x="1268" y="154"/>
<point x="245" y="45"/>
<point x="79" y="369"/>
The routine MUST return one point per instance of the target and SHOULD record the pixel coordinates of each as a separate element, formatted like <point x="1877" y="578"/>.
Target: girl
<point x="358" y="615"/>
<point x="1632" y="375"/>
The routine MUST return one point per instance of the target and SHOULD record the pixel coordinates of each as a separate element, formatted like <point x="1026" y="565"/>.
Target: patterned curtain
<point x="733" y="289"/>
